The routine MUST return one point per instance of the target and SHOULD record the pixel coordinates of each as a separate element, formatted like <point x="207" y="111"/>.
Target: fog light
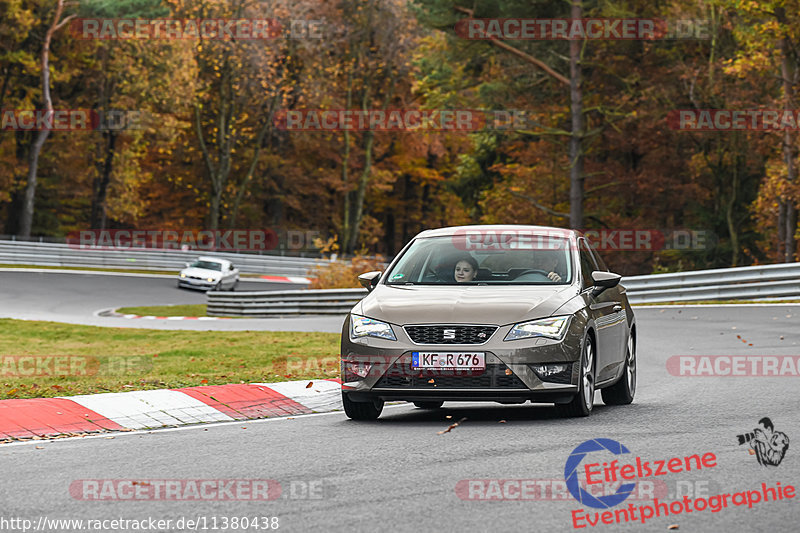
<point x="359" y="369"/>
<point x="554" y="372"/>
<point x="549" y="370"/>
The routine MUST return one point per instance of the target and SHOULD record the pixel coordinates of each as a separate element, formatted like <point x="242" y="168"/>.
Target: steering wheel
<point x="533" y="271"/>
<point x="437" y="273"/>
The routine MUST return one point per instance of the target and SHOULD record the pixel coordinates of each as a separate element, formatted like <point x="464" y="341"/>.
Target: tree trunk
<point x="788" y="73"/>
<point x="346" y="171"/>
<point x="576" y="177"/>
<point x="730" y="214"/>
<point x="98" y="217"/>
<point x="26" y="217"/>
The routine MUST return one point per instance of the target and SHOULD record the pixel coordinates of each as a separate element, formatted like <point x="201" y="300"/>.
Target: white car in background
<point x="209" y="274"/>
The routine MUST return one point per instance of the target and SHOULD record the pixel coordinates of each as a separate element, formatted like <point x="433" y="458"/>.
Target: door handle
<point x="617" y="308"/>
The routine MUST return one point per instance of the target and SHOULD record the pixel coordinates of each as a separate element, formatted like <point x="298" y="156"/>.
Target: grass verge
<point x="70" y="359"/>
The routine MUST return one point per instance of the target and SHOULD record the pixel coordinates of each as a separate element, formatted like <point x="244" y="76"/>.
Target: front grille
<point x="450" y="334"/>
<point x="494" y="377"/>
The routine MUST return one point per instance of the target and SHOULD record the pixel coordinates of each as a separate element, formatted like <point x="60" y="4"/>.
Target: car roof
<point x="536" y="230"/>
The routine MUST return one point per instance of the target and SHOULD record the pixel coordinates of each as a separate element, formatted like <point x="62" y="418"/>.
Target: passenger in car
<point x="466" y="268"/>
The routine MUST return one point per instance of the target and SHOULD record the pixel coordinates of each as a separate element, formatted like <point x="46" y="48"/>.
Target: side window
<point x="587" y="264"/>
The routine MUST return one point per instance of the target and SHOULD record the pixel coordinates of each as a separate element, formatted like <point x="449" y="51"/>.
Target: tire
<point x="235" y="284"/>
<point x="623" y="391"/>
<point x="583" y="402"/>
<point x="428" y="405"/>
<point x="362" y="410"/>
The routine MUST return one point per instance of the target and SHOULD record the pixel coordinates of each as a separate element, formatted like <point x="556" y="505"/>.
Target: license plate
<point x="448" y="360"/>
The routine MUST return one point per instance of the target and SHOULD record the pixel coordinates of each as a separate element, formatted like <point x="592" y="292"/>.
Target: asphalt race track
<point x="76" y="298"/>
<point x="399" y="474"/>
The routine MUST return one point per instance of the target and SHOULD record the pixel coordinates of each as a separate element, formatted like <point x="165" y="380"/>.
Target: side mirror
<point x="369" y="280"/>
<point x="604" y="280"/>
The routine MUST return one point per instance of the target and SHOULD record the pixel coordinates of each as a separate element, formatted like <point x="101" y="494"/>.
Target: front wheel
<point x="622" y="392"/>
<point x="370" y="410"/>
<point x="428" y="405"/>
<point x="583" y="402"/>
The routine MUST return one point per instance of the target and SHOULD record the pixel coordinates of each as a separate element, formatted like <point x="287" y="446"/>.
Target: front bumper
<point x="508" y="377"/>
<point x="192" y="283"/>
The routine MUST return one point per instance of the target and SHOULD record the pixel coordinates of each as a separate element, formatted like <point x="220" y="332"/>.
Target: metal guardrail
<point x="745" y="283"/>
<point x="262" y="304"/>
<point x="770" y="281"/>
<point x="52" y="254"/>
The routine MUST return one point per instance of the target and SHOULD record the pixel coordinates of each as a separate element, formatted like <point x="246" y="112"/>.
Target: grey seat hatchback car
<point x="506" y="314"/>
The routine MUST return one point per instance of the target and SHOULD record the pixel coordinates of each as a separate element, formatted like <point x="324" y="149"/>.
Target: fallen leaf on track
<point x="451" y="427"/>
<point x="310" y="384"/>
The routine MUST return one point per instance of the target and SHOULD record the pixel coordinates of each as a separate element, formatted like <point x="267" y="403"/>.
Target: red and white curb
<point x="124" y="411"/>
<point x="287" y="279"/>
<point x="149" y="317"/>
<point x="113" y="313"/>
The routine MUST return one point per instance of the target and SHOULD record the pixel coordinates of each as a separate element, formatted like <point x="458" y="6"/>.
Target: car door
<point x="618" y="295"/>
<point x="607" y="312"/>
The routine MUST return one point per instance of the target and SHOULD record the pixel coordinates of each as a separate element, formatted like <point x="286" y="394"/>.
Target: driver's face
<point x="464" y="272"/>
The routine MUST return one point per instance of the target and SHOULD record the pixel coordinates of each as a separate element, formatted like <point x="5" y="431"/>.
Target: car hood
<point x="201" y="272"/>
<point x="482" y="304"/>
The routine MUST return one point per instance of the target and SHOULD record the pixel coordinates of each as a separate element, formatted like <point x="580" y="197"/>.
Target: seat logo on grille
<point x="449" y="334"/>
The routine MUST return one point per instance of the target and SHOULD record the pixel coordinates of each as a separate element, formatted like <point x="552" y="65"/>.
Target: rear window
<point x="513" y="258"/>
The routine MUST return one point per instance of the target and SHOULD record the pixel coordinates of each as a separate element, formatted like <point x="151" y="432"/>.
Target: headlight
<point x="183" y="275"/>
<point x="361" y="326"/>
<point x="551" y="328"/>
<point x="211" y="280"/>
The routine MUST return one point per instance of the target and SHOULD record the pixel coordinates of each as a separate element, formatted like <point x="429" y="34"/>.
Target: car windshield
<point x="207" y="265"/>
<point x="484" y="259"/>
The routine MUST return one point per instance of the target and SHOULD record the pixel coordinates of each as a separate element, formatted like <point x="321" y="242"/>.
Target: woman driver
<point x="466" y="269"/>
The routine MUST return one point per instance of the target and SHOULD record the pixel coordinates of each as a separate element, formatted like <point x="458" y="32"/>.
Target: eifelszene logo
<point x="571" y="474"/>
<point x="769" y="445"/>
<point x="621" y="470"/>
